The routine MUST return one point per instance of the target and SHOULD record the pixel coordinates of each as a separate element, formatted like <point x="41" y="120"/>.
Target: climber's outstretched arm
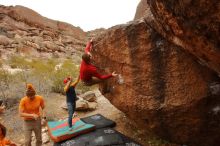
<point x="89" y="47"/>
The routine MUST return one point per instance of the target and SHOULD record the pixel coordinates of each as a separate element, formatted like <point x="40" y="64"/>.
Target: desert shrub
<point x="42" y="72"/>
<point x="23" y="77"/>
<point x="4" y="82"/>
<point x="19" y="62"/>
<point x="68" y="68"/>
<point x="7" y="82"/>
<point x="46" y="75"/>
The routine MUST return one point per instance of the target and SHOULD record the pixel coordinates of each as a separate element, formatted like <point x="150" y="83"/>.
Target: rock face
<point x="193" y="25"/>
<point x="169" y="89"/>
<point x="142" y="10"/>
<point x="24" y="31"/>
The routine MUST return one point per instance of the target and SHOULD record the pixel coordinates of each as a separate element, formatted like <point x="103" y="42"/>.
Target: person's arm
<point x="96" y="74"/>
<point x="88" y="47"/>
<point x="67" y="86"/>
<point x="42" y="106"/>
<point x="22" y="113"/>
<point x="43" y="117"/>
<point x="76" y="82"/>
<point x="9" y="143"/>
<point x="43" y="112"/>
<point x="27" y="115"/>
<point x="13" y="144"/>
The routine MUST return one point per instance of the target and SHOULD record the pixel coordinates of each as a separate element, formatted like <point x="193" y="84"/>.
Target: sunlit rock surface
<point x="169" y="68"/>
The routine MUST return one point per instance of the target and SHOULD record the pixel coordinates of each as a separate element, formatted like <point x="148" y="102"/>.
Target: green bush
<point x="19" y="62"/>
<point x="5" y="79"/>
<point x="42" y="71"/>
<point x="43" y="75"/>
<point x="68" y="68"/>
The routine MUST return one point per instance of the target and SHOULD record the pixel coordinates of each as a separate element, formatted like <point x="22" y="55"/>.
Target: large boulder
<point x="193" y="25"/>
<point x="165" y="89"/>
<point x="89" y="96"/>
<point x="142" y="10"/>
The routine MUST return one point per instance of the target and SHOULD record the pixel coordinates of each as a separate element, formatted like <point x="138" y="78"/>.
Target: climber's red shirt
<point x="87" y="71"/>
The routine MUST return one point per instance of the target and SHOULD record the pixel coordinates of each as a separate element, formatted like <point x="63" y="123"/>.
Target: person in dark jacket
<point x="70" y="98"/>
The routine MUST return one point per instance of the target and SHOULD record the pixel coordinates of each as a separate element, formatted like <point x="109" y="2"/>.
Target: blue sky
<point x="87" y="14"/>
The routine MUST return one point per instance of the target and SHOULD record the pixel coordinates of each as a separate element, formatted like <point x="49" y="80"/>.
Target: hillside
<point x="24" y="31"/>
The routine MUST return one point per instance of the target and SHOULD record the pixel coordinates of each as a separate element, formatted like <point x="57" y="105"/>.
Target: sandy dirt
<point x="54" y="111"/>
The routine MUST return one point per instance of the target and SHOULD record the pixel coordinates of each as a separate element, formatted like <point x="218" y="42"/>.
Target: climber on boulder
<point x="88" y="72"/>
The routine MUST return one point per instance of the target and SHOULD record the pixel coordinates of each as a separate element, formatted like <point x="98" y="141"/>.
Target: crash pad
<point x="99" y="121"/>
<point x="59" y="130"/>
<point x="100" y="137"/>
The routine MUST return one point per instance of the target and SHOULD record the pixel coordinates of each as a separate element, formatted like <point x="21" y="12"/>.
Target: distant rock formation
<point x="169" y="60"/>
<point x="22" y="30"/>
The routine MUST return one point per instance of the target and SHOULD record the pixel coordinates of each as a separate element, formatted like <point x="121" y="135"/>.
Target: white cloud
<point x="87" y="14"/>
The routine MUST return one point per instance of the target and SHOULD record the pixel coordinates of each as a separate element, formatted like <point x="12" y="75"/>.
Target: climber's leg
<point x="105" y="87"/>
<point x="93" y="81"/>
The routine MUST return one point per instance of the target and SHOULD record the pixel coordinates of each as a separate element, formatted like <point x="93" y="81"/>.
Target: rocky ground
<point x="54" y="111"/>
